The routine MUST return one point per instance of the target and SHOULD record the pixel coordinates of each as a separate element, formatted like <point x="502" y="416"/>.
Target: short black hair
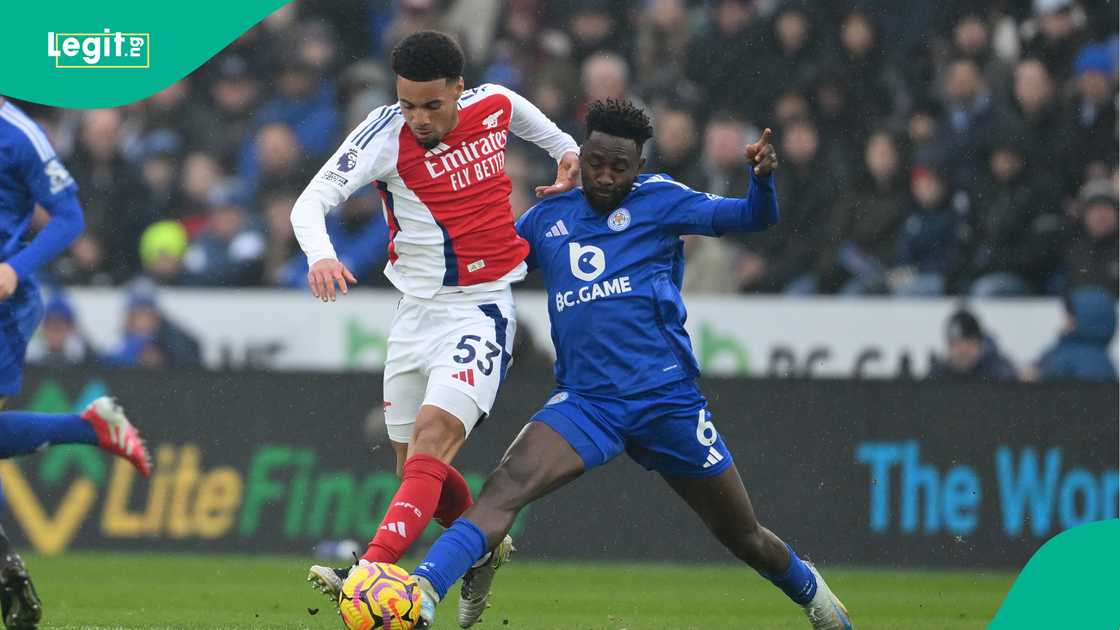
<point x="619" y="118"/>
<point x="427" y="56"/>
<point x="964" y="325"/>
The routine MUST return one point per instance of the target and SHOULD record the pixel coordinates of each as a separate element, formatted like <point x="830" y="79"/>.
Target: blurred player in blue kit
<point x="30" y="174"/>
<point x="613" y="263"/>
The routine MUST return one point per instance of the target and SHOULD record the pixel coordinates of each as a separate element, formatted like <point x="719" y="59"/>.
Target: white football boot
<point x="474" y="596"/>
<point x="428" y="602"/>
<point x="825" y="610"/>
<point x="328" y="580"/>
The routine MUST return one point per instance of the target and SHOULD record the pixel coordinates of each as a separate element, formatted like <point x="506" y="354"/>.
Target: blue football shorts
<point x="20" y="315"/>
<point x="668" y="429"/>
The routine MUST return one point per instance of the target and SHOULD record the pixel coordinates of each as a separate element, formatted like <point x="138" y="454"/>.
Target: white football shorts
<point x="452" y="352"/>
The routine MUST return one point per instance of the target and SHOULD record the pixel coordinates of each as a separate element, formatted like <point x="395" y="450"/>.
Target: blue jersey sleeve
<point x="54" y="189"/>
<point x="692" y="212"/>
<point x="526" y="231"/>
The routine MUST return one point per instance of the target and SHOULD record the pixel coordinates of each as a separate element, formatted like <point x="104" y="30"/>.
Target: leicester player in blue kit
<point x="30" y="174"/>
<point x="613" y="263"/>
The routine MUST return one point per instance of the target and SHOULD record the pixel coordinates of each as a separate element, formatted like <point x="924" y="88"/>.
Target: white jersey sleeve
<point x="530" y="124"/>
<point x="367" y="155"/>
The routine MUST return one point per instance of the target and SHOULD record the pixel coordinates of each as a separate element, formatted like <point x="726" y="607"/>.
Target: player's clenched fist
<point x="325" y="274"/>
<point x="762" y="155"/>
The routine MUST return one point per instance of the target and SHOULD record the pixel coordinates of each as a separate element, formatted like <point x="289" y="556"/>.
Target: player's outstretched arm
<point x="358" y="162"/>
<point x="530" y="124"/>
<point x="53" y="189"/>
<point x="691" y="212"/>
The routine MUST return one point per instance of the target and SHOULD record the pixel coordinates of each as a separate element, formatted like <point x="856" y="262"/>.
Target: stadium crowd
<point x="927" y="148"/>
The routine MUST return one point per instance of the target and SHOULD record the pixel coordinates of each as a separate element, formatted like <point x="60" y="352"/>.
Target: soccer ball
<point x="379" y="595"/>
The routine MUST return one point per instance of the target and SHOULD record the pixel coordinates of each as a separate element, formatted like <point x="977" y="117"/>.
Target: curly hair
<point x="427" y="56"/>
<point x="619" y="118"/>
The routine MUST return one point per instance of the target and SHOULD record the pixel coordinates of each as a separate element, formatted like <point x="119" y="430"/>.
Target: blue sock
<point x="798" y="582"/>
<point x="452" y="555"/>
<point x="23" y="432"/>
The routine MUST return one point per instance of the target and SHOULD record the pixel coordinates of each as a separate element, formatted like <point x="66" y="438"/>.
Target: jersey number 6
<point x="469" y="353"/>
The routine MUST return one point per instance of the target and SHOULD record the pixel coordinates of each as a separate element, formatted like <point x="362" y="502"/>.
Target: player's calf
<point x="755" y="545"/>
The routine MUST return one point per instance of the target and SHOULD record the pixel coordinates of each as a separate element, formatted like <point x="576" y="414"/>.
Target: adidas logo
<point x="436" y="150"/>
<point x="559" y="229"/>
<point x="396" y="528"/>
<point x="714" y="458"/>
<point x="467" y="376"/>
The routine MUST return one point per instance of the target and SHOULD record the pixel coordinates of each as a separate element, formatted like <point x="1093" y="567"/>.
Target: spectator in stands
<point x="675" y="148"/>
<point x="712" y="265"/>
<point x="277" y="160"/>
<point x="781" y="258"/>
<point x="969" y="116"/>
<point x="234" y="95"/>
<point x="838" y="126"/>
<point x="1093" y="113"/>
<point x="113" y="199"/>
<point x="305" y="103"/>
<point x="724" y="60"/>
<point x="971" y="38"/>
<point x="922" y="134"/>
<point x="1092" y="257"/>
<point x="868" y="85"/>
<point x="304" y="107"/>
<point x="664" y="33"/>
<point x="201" y="175"/>
<point x="172" y="109"/>
<point x="606" y="75"/>
<point x="791" y="59"/>
<point x="1016" y="227"/>
<point x="159" y="167"/>
<point x="1035" y="115"/>
<point x="929" y="244"/>
<point x="1054" y="35"/>
<point x="1081" y="352"/>
<point x="788" y="107"/>
<point x="150" y="339"/>
<point x="162" y="247"/>
<point x="282" y="247"/>
<point x="593" y="26"/>
<point x="971" y="354"/>
<point x="59" y="342"/>
<point x="725" y="165"/>
<point x="862" y="233"/>
<point x="229" y="252"/>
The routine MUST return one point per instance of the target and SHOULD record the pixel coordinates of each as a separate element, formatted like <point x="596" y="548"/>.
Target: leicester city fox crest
<point x="347" y="161"/>
<point x="619" y="220"/>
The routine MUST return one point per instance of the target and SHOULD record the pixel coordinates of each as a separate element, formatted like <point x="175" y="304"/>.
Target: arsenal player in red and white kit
<point x="437" y="157"/>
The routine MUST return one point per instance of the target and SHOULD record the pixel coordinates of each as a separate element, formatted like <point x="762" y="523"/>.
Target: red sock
<point x="411" y="509"/>
<point x="454" y="500"/>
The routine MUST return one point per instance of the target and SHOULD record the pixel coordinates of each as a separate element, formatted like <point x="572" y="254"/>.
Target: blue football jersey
<point x="614" y="279"/>
<point x="30" y="173"/>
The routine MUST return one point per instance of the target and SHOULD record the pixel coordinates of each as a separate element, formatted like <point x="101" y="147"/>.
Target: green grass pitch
<point x="101" y="591"/>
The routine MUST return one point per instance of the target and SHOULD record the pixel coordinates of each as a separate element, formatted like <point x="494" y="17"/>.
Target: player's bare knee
<point x="438" y="436"/>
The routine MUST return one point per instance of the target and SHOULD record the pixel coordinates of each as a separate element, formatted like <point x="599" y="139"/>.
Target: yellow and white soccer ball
<point x="379" y="595"/>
